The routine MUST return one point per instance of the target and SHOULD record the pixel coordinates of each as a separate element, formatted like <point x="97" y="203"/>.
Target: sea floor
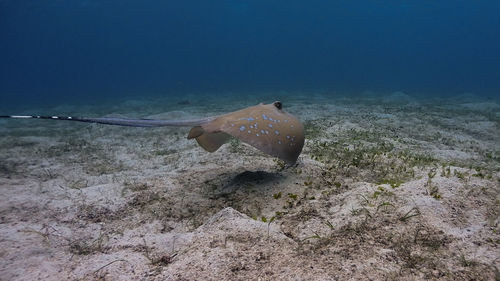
<point x="387" y="188"/>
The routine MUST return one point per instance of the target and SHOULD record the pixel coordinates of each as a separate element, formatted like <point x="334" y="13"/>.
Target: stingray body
<point x="265" y="126"/>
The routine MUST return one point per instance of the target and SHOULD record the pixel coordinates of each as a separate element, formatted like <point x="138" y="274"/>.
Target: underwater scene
<point x="249" y="140"/>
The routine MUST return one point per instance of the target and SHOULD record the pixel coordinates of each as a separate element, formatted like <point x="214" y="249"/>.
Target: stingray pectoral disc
<point x="265" y="127"/>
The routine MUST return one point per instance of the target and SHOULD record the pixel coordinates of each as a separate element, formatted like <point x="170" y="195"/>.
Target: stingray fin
<point x="195" y="132"/>
<point x="265" y="127"/>
<point x="212" y="141"/>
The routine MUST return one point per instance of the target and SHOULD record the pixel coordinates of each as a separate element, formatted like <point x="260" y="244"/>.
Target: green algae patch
<point x="378" y="163"/>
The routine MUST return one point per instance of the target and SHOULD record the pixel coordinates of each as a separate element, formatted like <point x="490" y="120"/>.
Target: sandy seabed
<point x="387" y="188"/>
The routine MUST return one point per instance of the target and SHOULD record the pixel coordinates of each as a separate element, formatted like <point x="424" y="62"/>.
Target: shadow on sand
<point x="228" y="184"/>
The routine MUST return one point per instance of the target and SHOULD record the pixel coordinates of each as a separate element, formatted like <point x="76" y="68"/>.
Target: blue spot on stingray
<point x="242" y="128"/>
<point x="277" y="132"/>
<point x="288" y="137"/>
<point x="249" y="131"/>
<point x="270" y="125"/>
<point x="279" y="142"/>
<point x="257" y="134"/>
<point x="271" y="119"/>
<point x="250" y="119"/>
<point x="262" y="131"/>
<point x="264" y="116"/>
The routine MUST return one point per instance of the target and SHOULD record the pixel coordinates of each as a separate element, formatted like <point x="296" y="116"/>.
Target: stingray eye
<point x="278" y="104"/>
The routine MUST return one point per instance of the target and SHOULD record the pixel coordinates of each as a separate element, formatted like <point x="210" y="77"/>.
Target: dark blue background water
<point x="83" y="50"/>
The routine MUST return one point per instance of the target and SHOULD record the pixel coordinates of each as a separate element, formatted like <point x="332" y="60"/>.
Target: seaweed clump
<point x="378" y="162"/>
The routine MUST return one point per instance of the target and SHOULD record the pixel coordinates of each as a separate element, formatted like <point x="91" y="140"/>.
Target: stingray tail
<point x="118" y="121"/>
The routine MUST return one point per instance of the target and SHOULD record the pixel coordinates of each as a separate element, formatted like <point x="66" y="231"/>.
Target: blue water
<point x="55" y="51"/>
